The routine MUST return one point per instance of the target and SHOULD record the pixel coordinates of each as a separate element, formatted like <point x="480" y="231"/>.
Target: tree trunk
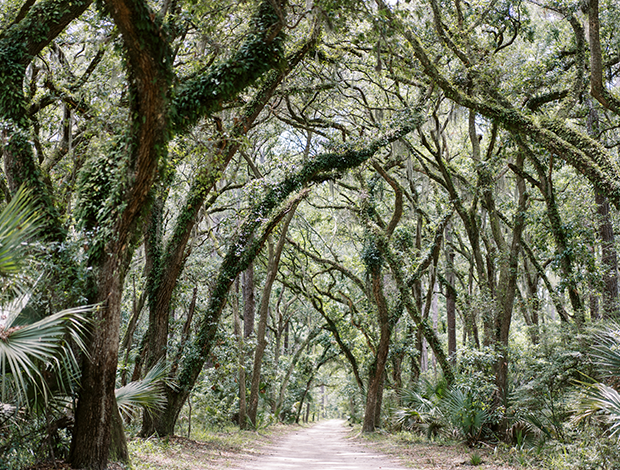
<point x="380" y="401"/>
<point x="301" y="400"/>
<point x="609" y="259"/>
<point x="241" y="364"/>
<point x="96" y="410"/>
<point x="249" y="304"/>
<point x="531" y="280"/>
<point x="280" y="399"/>
<point x="376" y="374"/>
<point x="147" y="58"/>
<point x="506" y="289"/>
<point x="450" y="297"/>
<point x="261" y="341"/>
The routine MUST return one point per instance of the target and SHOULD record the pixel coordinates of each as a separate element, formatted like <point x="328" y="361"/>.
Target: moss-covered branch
<point x="580" y="151"/>
<point x="396" y="265"/>
<point x="266" y="214"/>
<point x="34" y="28"/>
<point x="260" y="52"/>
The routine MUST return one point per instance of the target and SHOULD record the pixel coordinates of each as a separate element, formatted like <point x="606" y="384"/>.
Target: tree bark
<point x="241" y="365"/>
<point x="450" y="298"/>
<point x="147" y="59"/>
<point x="376" y="374"/>
<point x="261" y="341"/>
<point x="507" y="288"/>
<point x="609" y="258"/>
<point x="249" y="304"/>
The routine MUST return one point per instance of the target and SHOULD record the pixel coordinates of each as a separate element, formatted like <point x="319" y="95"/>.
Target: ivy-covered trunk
<point x="377" y="370"/>
<point x="148" y="60"/>
<point x="32" y="31"/>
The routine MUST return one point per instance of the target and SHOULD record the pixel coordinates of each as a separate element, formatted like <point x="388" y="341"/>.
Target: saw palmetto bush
<point x="600" y="401"/>
<point x="459" y="412"/>
<point x="39" y="360"/>
<point x="421" y="410"/>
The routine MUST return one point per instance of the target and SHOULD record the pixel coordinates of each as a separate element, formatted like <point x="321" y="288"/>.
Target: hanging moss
<point x="585" y="155"/>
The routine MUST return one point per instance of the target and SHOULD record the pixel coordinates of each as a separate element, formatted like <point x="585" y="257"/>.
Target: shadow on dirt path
<point x="324" y="446"/>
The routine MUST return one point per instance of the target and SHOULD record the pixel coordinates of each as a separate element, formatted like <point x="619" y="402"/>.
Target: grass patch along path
<point x="209" y="451"/>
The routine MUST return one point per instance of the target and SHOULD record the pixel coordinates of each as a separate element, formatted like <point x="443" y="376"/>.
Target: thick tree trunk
<point x="157" y="333"/>
<point x="96" y="410"/>
<point x="147" y="59"/>
<point x="376" y="374"/>
<point x="379" y="405"/>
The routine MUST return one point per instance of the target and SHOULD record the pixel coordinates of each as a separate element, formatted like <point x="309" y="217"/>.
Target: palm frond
<point x="600" y="400"/>
<point x="606" y="350"/>
<point x="146" y="393"/>
<point x="29" y="351"/>
<point x="465" y="412"/>
<point x="18" y="223"/>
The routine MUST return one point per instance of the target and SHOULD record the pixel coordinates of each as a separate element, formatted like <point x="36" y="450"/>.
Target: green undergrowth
<point x="415" y="450"/>
<point x="586" y="451"/>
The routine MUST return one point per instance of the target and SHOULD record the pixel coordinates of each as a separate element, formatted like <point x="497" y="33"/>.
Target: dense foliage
<point x="398" y="212"/>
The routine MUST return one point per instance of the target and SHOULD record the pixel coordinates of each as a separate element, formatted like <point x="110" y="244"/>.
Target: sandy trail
<point x="323" y="446"/>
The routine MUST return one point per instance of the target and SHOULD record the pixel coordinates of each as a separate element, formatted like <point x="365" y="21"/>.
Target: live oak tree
<point x="156" y="112"/>
<point x="436" y="155"/>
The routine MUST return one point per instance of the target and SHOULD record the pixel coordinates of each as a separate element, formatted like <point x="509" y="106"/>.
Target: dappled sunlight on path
<point x="323" y="446"/>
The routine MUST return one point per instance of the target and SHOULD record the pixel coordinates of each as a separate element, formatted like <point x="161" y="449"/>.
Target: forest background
<point x="220" y="210"/>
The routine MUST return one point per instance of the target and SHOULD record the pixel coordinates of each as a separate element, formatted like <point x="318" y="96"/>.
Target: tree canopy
<point x="265" y="197"/>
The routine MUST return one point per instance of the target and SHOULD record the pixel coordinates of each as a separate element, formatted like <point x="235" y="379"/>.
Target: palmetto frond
<point x="146" y="393"/>
<point x="606" y="351"/>
<point x="30" y="352"/>
<point x="18" y="223"/>
<point x="600" y="399"/>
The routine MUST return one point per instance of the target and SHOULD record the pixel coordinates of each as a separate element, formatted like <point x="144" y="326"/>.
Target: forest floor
<point x="325" y="445"/>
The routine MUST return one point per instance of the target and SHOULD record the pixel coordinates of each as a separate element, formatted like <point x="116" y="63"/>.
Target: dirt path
<point x="324" y="446"/>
